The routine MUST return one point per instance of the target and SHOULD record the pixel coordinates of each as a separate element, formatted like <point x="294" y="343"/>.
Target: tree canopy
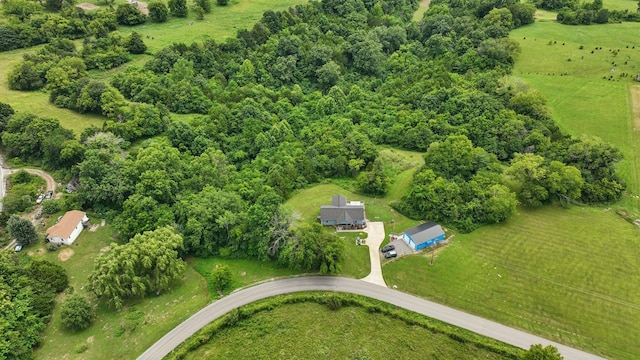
<point x="147" y="264"/>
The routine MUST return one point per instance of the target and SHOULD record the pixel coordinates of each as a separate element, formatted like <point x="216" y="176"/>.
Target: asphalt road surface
<point x="324" y="283"/>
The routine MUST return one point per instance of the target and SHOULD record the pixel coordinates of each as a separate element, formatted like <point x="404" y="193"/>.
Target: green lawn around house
<point x="569" y="275"/>
<point x="244" y="272"/>
<point x="115" y="334"/>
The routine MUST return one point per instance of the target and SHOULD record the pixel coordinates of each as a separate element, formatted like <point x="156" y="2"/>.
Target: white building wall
<point x="74" y="234"/>
<point x="56" y="240"/>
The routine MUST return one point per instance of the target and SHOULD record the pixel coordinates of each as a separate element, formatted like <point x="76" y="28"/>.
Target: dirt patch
<point x="243" y="274"/>
<point x="87" y="6"/>
<point x="105" y="249"/>
<point x="94" y="227"/>
<point x="90" y="339"/>
<point x="142" y="6"/>
<point x="635" y="105"/>
<point x="425" y="3"/>
<point x="65" y="254"/>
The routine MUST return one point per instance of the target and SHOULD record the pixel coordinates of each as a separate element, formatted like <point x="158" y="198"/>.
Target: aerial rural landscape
<point x="336" y="179"/>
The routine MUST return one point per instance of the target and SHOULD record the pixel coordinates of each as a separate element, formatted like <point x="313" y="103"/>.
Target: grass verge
<point x="244" y="272"/>
<point x="362" y="329"/>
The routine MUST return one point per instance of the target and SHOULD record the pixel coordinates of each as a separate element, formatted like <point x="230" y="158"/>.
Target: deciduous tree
<point x="77" y="313"/>
<point x="158" y="11"/>
<point x="22" y="230"/>
<point x="221" y="277"/>
<point x="149" y="263"/>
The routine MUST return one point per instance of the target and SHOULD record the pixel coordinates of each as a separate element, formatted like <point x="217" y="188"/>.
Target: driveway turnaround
<point x="326" y="283"/>
<point x="375" y="237"/>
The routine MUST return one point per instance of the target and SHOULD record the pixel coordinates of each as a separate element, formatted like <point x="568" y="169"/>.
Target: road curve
<point x="325" y="283"/>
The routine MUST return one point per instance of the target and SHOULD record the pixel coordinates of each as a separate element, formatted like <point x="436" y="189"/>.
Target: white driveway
<point x="375" y="237"/>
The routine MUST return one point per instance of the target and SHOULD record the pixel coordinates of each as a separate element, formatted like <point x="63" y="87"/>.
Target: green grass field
<point x="621" y="5"/>
<point x="422" y="8"/>
<point x="244" y="272"/>
<point x="586" y="95"/>
<point x="569" y="275"/>
<point x="37" y="102"/>
<point x="299" y="331"/>
<point x="114" y="335"/>
<point x="221" y="23"/>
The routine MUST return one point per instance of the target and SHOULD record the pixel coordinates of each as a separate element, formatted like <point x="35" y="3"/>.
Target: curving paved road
<point x="324" y="283"/>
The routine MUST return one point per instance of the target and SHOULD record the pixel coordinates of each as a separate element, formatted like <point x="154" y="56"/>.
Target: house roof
<point x="341" y="211"/>
<point x="424" y="232"/>
<point x="65" y="226"/>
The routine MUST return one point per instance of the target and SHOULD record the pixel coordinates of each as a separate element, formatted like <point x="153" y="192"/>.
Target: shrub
<point x="129" y="15"/>
<point x="178" y="8"/>
<point x="51" y="207"/>
<point x="77" y="313"/>
<point x="158" y="11"/>
<point x="221" y="277"/>
<point x="52" y="246"/>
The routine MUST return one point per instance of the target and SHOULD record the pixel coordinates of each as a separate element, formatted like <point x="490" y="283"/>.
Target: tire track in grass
<point x="634" y="135"/>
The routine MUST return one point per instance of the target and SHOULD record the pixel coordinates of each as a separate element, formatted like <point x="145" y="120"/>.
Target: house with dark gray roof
<point x="343" y="213"/>
<point x="423" y="235"/>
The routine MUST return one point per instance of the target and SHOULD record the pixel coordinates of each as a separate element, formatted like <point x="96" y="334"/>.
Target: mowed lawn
<point x="299" y="331"/>
<point x="588" y="89"/>
<point x="115" y="334"/>
<point x="569" y="275"/>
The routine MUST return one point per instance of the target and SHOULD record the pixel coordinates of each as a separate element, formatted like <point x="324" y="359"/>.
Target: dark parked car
<point x="390" y="254"/>
<point x="388" y="248"/>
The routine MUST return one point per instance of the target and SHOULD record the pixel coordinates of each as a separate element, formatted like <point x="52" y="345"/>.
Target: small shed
<point x="343" y="213"/>
<point x="423" y="235"/>
<point x="66" y="231"/>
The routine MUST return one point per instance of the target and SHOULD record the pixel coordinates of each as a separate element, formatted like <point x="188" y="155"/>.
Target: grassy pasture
<point x="620" y="5"/>
<point x="37" y="102"/>
<point x="569" y="275"/>
<point x="585" y="94"/>
<point x="299" y="331"/>
<point x="221" y="23"/>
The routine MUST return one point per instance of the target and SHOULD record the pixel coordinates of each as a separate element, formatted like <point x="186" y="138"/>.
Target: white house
<point x="66" y="231"/>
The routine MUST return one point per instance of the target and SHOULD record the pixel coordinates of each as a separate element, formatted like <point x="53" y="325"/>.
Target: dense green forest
<point x="27" y="296"/>
<point x="306" y="94"/>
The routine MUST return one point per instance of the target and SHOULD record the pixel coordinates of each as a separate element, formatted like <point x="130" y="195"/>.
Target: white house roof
<point x="65" y="226"/>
